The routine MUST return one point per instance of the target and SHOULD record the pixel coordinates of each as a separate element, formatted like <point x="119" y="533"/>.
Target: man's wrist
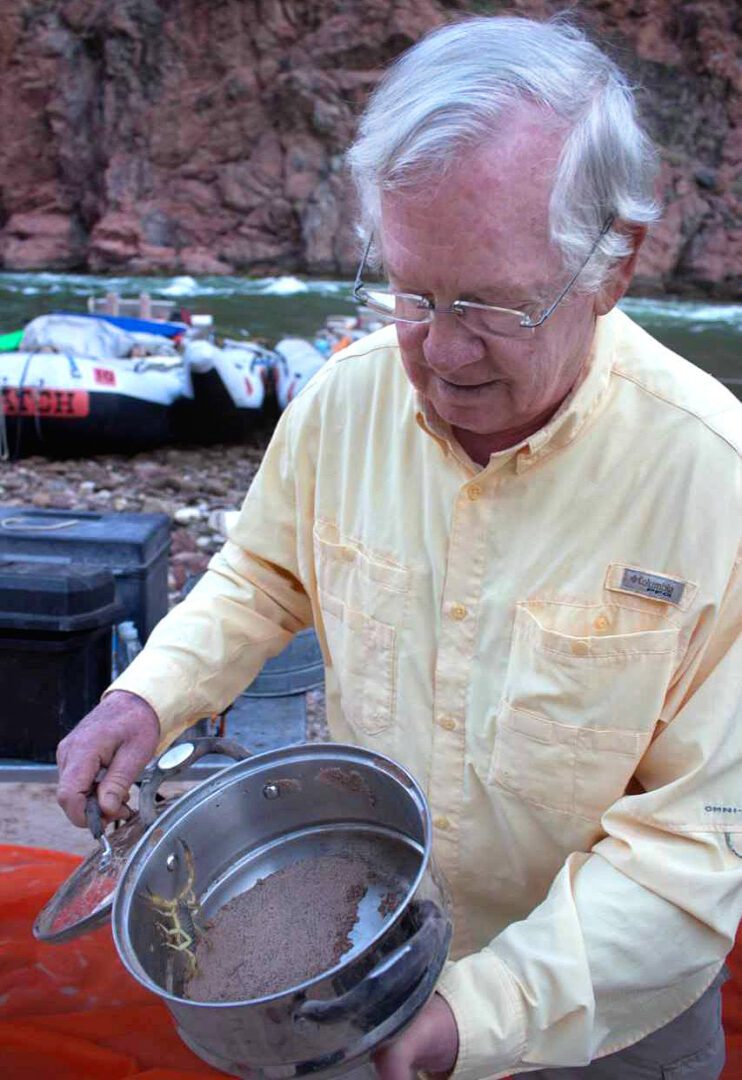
<point x="127" y="703"/>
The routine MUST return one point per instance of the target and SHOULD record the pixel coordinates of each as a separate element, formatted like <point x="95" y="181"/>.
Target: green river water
<point x="706" y="333"/>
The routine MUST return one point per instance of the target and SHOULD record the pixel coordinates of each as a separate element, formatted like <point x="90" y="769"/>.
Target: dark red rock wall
<point x="207" y="136"/>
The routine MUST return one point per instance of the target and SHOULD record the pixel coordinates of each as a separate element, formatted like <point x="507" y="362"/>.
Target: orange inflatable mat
<point x="71" y="1011"/>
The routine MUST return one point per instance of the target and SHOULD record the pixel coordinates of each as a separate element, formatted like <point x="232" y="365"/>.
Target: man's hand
<point x="120" y="735"/>
<point x="431" y="1042"/>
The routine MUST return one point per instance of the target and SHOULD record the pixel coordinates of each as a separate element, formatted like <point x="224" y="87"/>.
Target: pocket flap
<point x="531" y="625"/>
<point x="373" y="566"/>
<point x="551" y="732"/>
<point x="373" y="632"/>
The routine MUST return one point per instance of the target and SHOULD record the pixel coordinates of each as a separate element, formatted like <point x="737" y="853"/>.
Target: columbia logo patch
<point x="659" y="588"/>
<point x="668" y="590"/>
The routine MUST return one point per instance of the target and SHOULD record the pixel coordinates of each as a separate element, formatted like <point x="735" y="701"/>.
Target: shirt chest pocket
<point x="579" y="708"/>
<point x="363" y="599"/>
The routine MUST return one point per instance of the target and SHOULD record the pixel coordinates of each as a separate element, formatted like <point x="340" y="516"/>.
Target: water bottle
<point x="126" y="646"/>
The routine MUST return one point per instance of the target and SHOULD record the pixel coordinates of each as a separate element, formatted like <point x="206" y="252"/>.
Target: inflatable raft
<point x="74" y="383"/>
<point x="78" y="385"/>
<point x="229" y="390"/>
<point x="297" y="360"/>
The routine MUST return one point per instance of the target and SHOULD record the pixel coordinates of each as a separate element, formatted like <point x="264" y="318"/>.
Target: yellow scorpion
<point x="182" y="911"/>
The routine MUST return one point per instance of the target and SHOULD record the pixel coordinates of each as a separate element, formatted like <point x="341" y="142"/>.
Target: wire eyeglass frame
<point x="428" y="308"/>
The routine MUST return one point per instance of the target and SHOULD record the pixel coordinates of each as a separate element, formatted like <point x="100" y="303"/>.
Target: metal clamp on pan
<point x="174" y="761"/>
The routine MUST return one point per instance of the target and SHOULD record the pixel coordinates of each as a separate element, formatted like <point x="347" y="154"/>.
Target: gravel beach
<point x="187" y="483"/>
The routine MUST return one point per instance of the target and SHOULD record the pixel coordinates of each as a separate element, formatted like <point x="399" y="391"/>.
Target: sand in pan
<point x="290" y="926"/>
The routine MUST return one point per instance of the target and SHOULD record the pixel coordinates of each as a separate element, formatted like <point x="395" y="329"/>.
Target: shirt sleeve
<point x="631" y="933"/>
<point x="244" y="610"/>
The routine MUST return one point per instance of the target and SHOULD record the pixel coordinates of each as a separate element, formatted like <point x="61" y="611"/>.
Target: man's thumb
<point x="113" y="790"/>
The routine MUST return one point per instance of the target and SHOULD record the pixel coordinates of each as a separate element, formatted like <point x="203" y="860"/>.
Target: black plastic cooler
<point x="55" y="651"/>
<point x="134" y="547"/>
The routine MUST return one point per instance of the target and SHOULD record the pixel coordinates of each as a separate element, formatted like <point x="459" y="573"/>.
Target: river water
<point x="708" y="334"/>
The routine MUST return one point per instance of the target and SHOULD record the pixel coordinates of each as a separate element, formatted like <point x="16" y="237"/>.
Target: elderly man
<point x="514" y="519"/>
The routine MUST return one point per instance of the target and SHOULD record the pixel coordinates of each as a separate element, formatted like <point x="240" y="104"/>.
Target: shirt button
<point x="474" y="492"/>
<point x="348" y="554"/>
<point x="458" y="612"/>
<point x="447" y="723"/>
<point x="441" y="823"/>
<point x="601" y="623"/>
<point x="580" y="648"/>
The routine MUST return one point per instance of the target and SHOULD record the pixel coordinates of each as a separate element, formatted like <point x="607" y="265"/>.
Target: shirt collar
<point x="581" y="403"/>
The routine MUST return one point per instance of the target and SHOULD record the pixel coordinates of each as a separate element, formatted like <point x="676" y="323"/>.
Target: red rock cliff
<point x="207" y="136"/>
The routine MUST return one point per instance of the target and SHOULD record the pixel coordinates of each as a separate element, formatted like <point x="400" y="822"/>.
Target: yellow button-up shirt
<point x="550" y="644"/>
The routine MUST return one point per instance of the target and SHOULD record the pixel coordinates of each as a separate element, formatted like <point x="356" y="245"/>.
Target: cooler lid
<point x="125" y="540"/>
<point x="56" y="596"/>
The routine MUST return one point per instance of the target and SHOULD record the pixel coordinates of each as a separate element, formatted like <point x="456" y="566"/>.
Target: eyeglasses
<point x="479" y="318"/>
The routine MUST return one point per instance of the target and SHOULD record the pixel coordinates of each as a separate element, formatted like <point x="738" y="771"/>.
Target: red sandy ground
<point x="71" y="1012"/>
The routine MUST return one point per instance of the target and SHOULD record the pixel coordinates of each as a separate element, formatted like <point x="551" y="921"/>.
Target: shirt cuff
<point x="485" y="1000"/>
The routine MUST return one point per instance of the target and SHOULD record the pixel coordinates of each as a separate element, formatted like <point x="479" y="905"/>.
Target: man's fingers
<point x="119" y="736"/>
<point x="430" y="1043"/>
<point x="61" y="756"/>
<point x="113" y="790"/>
<point x="123" y="814"/>
<point x="75" y="784"/>
<point x="393" y="1063"/>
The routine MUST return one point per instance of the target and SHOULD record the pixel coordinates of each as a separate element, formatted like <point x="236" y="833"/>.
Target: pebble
<point x="187" y="515"/>
<point x="153" y="506"/>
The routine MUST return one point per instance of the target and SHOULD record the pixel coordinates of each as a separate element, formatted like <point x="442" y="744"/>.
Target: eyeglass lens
<point x="413" y="309"/>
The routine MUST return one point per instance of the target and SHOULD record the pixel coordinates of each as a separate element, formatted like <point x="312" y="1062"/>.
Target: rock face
<point x="182" y="136"/>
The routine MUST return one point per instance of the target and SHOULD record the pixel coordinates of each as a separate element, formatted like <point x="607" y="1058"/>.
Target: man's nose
<point x="449" y="345"/>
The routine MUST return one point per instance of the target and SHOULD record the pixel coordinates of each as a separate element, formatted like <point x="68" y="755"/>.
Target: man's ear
<point x="620" y="275"/>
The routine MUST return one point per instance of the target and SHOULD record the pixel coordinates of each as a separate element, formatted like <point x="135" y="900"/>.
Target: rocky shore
<point x="190" y="484"/>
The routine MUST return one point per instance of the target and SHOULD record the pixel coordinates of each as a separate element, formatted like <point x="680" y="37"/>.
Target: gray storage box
<point x="134" y="547"/>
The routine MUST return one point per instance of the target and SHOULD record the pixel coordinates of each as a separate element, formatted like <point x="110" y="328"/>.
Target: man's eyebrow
<point x="533" y="291"/>
<point x="490" y="289"/>
<point x="494" y="294"/>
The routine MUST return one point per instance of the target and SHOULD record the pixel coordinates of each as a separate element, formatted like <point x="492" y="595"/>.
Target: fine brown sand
<point x="290" y="926"/>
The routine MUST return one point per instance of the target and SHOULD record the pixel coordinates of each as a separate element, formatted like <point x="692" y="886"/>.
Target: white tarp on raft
<point x="78" y="336"/>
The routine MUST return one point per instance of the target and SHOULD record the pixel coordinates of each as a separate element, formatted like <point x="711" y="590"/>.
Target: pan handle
<point x="391" y="982"/>
<point x="177" y="758"/>
<point x="94" y="821"/>
<point x="93" y="816"/>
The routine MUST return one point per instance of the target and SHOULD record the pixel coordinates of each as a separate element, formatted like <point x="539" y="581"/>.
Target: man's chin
<point x="475" y="421"/>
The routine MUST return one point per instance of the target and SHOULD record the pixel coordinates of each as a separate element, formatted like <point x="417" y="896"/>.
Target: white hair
<point x="456" y="86"/>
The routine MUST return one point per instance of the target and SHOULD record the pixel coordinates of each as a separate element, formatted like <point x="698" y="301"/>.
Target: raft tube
<point x="62" y="405"/>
